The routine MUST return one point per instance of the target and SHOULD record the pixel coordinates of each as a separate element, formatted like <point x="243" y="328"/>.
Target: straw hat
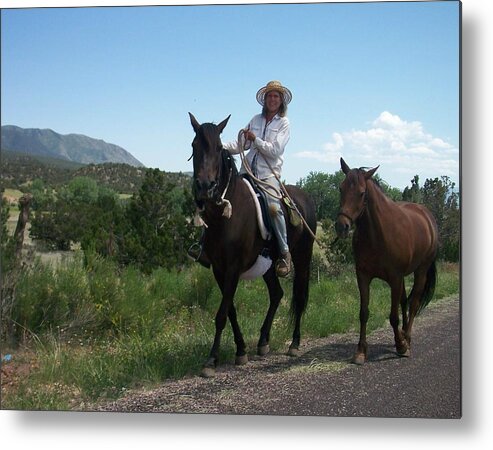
<point x="274" y="86"/>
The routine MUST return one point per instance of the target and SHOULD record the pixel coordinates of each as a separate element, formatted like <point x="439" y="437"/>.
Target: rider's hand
<point x="249" y="136"/>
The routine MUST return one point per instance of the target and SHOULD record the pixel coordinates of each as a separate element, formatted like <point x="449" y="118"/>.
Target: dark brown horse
<point x="391" y="240"/>
<point x="233" y="244"/>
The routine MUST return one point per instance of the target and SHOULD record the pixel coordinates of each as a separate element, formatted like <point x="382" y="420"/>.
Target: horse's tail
<point x="302" y="257"/>
<point x="429" y="290"/>
<point x="299" y="299"/>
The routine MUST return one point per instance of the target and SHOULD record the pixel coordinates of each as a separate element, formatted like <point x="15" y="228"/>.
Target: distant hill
<point x="18" y="170"/>
<point x="71" y="147"/>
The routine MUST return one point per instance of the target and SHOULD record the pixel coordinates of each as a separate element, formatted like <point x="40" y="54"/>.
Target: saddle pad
<point x="261" y="265"/>
<point x="263" y="229"/>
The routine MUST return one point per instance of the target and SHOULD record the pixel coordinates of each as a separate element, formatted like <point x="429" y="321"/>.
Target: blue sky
<point x="375" y="83"/>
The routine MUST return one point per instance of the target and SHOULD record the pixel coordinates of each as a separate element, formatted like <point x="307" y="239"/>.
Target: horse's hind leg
<point x="275" y="295"/>
<point x="397" y="292"/>
<point x="364" y="293"/>
<point x="414" y="301"/>
<point x="404" y="307"/>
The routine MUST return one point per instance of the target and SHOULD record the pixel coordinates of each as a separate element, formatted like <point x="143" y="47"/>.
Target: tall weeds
<point x="101" y="330"/>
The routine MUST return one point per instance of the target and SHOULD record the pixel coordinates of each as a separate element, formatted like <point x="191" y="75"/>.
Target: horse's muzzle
<point x="205" y="189"/>
<point x="343" y="225"/>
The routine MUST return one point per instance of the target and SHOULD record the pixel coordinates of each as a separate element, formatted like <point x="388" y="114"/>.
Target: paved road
<point x="322" y="382"/>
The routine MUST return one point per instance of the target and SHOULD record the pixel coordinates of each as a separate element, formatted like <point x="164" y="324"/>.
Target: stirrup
<point x="283" y="266"/>
<point x="196" y="253"/>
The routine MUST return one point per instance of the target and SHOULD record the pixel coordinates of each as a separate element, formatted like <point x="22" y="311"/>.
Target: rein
<point x="263" y="185"/>
<point x="228" y="208"/>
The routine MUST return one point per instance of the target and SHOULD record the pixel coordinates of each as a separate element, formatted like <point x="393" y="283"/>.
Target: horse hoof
<point x="405" y="354"/>
<point x="403" y="349"/>
<point x="241" y="360"/>
<point x="263" y="350"/>
<point x="359" y="359"/>
<point x="294" y="352"/>
<point x="208" y="372"/>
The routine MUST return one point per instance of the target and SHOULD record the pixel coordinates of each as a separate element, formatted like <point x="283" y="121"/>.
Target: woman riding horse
<point x="266" y="135"/>
<point x="233" y="241"/>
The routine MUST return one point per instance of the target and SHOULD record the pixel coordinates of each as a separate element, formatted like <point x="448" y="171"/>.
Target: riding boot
<point x="283" y="264"/>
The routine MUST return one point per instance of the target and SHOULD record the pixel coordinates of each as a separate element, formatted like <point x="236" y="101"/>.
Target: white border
<point x="84" y="431"/>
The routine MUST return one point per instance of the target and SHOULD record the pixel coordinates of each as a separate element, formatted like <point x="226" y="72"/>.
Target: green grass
<point x="102" y="330"/>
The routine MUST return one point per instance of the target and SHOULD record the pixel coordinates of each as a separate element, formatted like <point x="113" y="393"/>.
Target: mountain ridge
<point x="73" y="147"/>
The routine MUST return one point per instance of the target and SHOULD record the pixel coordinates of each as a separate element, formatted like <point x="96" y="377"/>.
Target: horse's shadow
<point x="338" y="355"/>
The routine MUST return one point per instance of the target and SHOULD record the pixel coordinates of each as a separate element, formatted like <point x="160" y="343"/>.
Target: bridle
<point x="219" y="196"/>
<point x="225" y="159"/>
<point x="365" y="205"/>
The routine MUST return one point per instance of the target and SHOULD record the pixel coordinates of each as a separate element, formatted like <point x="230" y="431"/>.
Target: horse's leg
<point x="228" y="284"/>
<point x="241" y="356"/>
<point x="396" y="292"/>
<point x="414" y="302"/>
<point x="275" y="295"/>
<point x="364" y="293"/>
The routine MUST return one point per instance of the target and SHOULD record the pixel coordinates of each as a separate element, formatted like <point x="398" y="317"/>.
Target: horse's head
<point x="353" y="197"/>
<point x="207" y="158"/>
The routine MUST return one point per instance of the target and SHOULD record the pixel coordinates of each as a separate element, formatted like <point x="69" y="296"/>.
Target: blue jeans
<point x="277" y="217"/>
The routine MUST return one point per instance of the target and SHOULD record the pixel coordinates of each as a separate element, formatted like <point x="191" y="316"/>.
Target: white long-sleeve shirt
<point x="271" y="139"/>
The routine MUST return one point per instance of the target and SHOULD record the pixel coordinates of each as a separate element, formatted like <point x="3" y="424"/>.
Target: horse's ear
<point x="223" y="124"/>
<point x="194" y="122"/>
<point x="370" y="173"/>
<point x="345" y="168"/>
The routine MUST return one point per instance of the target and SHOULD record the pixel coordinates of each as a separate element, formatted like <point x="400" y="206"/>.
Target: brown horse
<point x="233" y="244"/>
<point x="391" y="240"/>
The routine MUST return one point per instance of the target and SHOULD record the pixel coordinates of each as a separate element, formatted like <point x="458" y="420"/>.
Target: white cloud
<point x="336" y="145"/>
<point x="403" y="149"/>
<point x="387" y="120"/>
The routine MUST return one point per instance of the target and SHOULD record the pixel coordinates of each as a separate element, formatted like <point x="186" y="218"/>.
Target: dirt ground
<point x="323" y="381"/>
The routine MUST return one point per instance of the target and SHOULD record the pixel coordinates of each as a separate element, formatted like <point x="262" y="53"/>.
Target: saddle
<point x="264" y="261"/>
<point x="263" y="216"/>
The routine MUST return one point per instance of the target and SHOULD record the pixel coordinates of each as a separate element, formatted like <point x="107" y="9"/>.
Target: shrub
<point x="53" y="300"/>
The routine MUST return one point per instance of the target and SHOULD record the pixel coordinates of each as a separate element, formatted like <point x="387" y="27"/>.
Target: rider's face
<point x="273" y="101"/>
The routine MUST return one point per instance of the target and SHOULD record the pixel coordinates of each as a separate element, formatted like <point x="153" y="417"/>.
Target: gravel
<point x="323" y="382"/>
